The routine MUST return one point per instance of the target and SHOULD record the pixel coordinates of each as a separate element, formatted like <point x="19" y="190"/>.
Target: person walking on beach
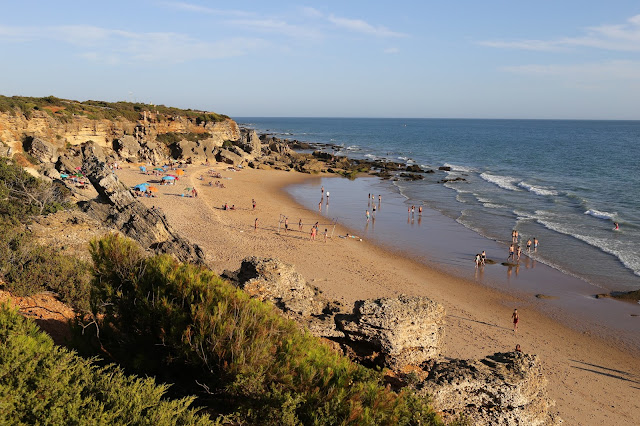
<point x="515" y="319"/>
<point x="286" y="224"/>
<point x="368" y="216"/>
<point x="477" y="260"/>
<point x="483" y="257"/>
<point x="253" y="202"/>
<point x="535" y="244"/>
<point x="519" y="251"/>
<point x="512" y="251"/>
<point x="529" y="245"/>
<point x="255" y="224"/>
<point x="300" y="225"/>
<point x="313" y="234"/>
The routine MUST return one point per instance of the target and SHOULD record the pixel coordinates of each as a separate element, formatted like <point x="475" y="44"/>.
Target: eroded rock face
<point x="118" y="207"/>
<point x="42" y="150"/>
<point x="226" y="156"/>
<point x="278" y="282"/>
<point x="407" y="330"/>
<point x="501" y="389"/>
<point x="250" y="141"/>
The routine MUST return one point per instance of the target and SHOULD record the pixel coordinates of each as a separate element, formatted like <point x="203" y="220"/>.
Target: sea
<point x="563" y="182"/>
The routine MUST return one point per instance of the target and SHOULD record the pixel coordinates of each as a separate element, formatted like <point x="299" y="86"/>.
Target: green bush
<point x="41" y="383"/>
<point x="184" y="323"/>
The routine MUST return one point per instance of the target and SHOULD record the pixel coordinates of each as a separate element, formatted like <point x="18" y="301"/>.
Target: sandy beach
<point x="593" y="380"/>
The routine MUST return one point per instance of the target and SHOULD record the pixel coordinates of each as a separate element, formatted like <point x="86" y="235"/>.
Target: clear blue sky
<point x="429" y="58"/>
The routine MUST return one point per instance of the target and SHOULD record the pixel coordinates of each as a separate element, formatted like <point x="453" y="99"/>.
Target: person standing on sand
<point x="300" y="225"/>
<point x="286" y="224"/>
<point x="483" y="257"/>
<point x="255" y="224"/>
<point x="512" y="251"/>
<point x="519" y="251"/>
<point x="515" y="319"/>
<point x="325" y="235"/>
<point x="312" y="237"/>
<point x="253" y="202"/>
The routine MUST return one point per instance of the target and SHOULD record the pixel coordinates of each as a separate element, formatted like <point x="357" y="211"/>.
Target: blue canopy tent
<point x="168" y="178"/>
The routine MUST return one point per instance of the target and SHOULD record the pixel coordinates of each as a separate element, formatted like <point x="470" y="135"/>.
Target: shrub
<point x="186" y="324"/>
<point x="41" y="383"/>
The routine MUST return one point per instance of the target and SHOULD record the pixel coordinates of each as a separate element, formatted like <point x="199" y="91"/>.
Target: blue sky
<point x="467" y="59"/>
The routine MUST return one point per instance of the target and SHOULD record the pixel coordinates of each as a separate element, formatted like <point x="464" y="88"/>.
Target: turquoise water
<point x="563" y="182"/>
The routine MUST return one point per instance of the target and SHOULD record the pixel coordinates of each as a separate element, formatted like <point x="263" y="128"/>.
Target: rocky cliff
<point x="15" y="128"/>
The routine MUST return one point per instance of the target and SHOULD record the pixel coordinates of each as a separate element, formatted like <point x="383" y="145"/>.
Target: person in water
<point x="617" y="227"/>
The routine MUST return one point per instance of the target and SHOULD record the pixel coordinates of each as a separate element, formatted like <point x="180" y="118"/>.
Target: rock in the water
<point x="502" y="389"/>
<point x="117" y="206"/>
<point x="405" y="330"/>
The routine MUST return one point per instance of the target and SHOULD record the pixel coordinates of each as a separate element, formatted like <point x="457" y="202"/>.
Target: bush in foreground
<point x="182" y="322"/>
<point x="41" y="383"/>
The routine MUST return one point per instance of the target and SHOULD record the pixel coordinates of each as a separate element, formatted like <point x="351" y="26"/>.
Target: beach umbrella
<point x="79" y="168"/>
<point x="160" y="169"/>
<point x="173" y="176"/>
<point x="141" y="187"/>
<point x="143" y="169"/>
<point x="179" y="172"/>
<point x="153" y="188"/>
<point x="168" y="177"/>
<point x="63" y="176"/>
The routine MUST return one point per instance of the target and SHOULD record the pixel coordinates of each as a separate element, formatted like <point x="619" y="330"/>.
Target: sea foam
<point x="538" y="190"/>
<point x="504" y="182"/>
<point x="600" y="215"/>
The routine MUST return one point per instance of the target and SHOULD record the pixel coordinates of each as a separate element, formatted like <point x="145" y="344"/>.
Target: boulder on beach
<point x="406" y="330"/>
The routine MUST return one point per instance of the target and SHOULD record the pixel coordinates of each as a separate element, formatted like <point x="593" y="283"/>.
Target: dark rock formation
<point x="445" y="168"/>
<point x="226" y="156"/>
<point x="405" y="330"/>
<point x="411" y="176"/>
<point x="501" y="389"/>
<point x="117" y="206"/>
<point x="414" y="168"/>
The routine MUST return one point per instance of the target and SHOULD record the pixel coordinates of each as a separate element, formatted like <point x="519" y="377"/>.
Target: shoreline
<point x="591" y="380"/>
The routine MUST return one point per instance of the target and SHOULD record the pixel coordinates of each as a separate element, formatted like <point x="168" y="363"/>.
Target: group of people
<point x="481" y="259"/>
<point x="515" y="251"/>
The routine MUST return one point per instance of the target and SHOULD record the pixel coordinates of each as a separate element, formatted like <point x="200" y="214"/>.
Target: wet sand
<point x="592" y="378"/>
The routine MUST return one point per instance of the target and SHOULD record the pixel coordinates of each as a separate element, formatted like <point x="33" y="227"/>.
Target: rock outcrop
<point x="501" y="389"/>
<point x="278" y="282"/>
<point x="404" y="330"/>
<point x="117" y="206"/>
<point x="40" y="149"/>
<point x="250" y="142"/>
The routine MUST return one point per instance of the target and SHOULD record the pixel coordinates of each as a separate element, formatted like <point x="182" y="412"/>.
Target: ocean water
<point x="563" y="182"/>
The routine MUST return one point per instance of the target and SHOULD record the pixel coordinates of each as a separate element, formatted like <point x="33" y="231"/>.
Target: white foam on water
<point x="489" y="203"/>
<point x="403" y="158"/>
<point x="353" y="148"/>
<point x="457" y="168"/>
<point x="600" y="215"/>
<point x="538" y="190"/>
<point x="620" y="249"/>
<point x="504" y="182"/>
<point x="370" y="155"/>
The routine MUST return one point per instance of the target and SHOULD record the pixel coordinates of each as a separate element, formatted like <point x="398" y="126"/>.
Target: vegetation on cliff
<point x="25" y="266"/>
<point x="184" y="325"/>
<point x="41" y="383"/>
<point x="64" y="110"/>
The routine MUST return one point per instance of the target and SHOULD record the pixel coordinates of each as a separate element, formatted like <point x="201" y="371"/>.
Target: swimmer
<point x="617" y="227"/>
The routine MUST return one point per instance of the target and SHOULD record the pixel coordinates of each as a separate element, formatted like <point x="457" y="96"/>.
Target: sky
<point x="432" y="58"/>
